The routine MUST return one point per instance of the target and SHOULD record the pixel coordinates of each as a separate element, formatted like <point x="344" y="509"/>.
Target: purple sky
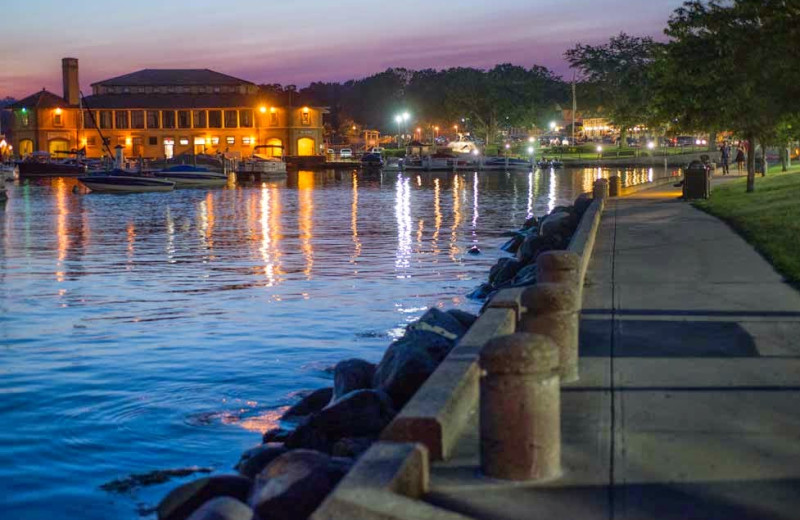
<point x="280" y="41"/>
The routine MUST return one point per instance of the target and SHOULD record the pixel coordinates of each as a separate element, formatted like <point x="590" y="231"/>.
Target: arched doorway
<point x="277" y="147"/>
<point x="25" y="147"/>
<point x="306" y="146"/>
<point x="58" y="145"/>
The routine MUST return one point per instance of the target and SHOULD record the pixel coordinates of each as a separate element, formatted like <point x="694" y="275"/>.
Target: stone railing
<point x="527" y="338"/>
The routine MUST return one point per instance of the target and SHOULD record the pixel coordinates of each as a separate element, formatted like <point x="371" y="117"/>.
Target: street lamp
<point x="398" y="119"/>
<point x="552" y="125"/>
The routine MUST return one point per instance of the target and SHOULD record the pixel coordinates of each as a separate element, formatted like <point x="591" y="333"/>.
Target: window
<point x="152" y="141"/>
<point x="215" y="140"/>
<point x="230" y="119"/>
<point x="137" y="118"/>
<point x="230" y="139"/>
<point x="153" y="119"/>
<point x="168" y="118"/>
<point x="58" y="120"/>
<point x="91" y="141"/>
<point x="89" y="120"/>
<point x="306" y="117"/>
<point x="137" y="142"/>
<point x="184" y="141"/>
<point x="199" y="118"/>
<point x="105" y="119"/>
<point x="247" y="140"/>
<point x="121" y="118"/>
<point x="23" y="119"/>
<point x="273" y="118"/>
<point x="184" y="119"/>
<point x="215" y="118"/>
<point x="246" y="118"/>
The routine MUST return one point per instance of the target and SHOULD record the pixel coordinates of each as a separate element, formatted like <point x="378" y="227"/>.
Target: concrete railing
<point x="630" y="190"/>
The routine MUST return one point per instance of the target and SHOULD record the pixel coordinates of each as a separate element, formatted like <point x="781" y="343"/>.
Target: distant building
<point x="160" y="113"/>
<point x="597" y="127"/>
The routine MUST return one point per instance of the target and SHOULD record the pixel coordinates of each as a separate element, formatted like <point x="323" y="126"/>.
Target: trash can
<point x="696" y="181"/>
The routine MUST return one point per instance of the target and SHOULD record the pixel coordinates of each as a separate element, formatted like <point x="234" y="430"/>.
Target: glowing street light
<point x="530" y="150"/>
<point x="406" y="116"/>
<point x="508" y="146"/>
<point x="530" y="139"/>
<point x="651" y="145"/>
<point x="599" y="149"/>
<point x="262" y="109"/>
<point x="552" y="125"/>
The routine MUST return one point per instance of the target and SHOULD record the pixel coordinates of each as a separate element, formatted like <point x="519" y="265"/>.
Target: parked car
<point x="345" y="153"/>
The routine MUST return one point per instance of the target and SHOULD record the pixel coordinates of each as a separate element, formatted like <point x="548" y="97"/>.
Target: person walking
<point x="739" y="158"/>
<point x="725" y="157"/>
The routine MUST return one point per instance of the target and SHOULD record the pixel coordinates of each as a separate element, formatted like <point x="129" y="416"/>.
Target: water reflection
<point x="403" y="215"/>
<point x="354" y="220"/>
<point x="305" y="193"/>
<point x="454" y="249"/>
<point x="62" y="236"/>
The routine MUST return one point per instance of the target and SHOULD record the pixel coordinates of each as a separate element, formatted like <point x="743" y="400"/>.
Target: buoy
<point x="474" y="250"/>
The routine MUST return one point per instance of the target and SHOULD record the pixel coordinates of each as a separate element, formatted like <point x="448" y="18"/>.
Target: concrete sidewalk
<point x="689" y="401"/>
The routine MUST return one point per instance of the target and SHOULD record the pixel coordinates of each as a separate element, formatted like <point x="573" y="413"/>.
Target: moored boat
<point x="124" y="181"/>
<point x="263" y="164"/>
<point x="506" y="164"/>
<point x="186" y="176"/>
<point x="371" y="160"/>
<point x="9" y="171"/>
<point x="42" y="164"/>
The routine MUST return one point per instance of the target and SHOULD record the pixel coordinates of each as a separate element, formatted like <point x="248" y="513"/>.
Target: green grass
<point x="768" y="218"/>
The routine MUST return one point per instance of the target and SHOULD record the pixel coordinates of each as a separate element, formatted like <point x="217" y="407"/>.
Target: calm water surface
<point x="152" y="331"/>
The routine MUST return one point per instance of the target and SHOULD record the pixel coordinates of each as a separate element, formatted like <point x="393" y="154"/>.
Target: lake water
<point x="153" y="331"/>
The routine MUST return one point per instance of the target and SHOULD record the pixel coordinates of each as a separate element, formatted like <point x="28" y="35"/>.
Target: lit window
<point x="24" y="119"/>
<point x="184" y="141"/>
<point x="230" y="139"/>
<point x="273" y="117"/>
<point x="306" y="117"/>
<point x="57" y="119"/>
<point x="215" y="140"/>
<point x="199" y="140"/>
<point x="247" y="140"/>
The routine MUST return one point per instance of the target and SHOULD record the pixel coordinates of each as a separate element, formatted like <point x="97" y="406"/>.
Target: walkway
<point x="688" y="406"/>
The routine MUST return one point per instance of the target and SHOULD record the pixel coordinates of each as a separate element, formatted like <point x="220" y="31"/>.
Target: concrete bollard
<point x="551" y="309"/>
<point x="600" y="189"/>
<point x="614" y="186"/>
<point x="520" y="408"/>
<point x="558" y="267"/>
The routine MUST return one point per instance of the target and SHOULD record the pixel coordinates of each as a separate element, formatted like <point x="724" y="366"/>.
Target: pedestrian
<point x="739" y="158"/>
<point x="725" y="157"/>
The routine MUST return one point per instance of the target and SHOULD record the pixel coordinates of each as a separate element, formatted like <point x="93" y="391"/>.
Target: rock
<point x="406" y="364"/>
<point x="275" y="435"/>
<point x="311" y="403"/>
<point x="474" y="250"/>
<point x="562" y="223"/>
<point x="525" y="276"/>
<point x="465" y="318"/>
<point x="254" y="460"/>
<point x="295" y="484"/>
<point x="513" y="244"/>
<point x="582" y="204"/>
<point x="223" y="508"/>
<point x="352" y="447"/>
<point x="504" y="270"/>
<point x="480" y="292"/>
<point x="358" y="414"/>
<point x="184" y="500"/>
<point x="531" y="222"/>
<point x="438" y="322"/>
<point x="350" y="375"/>
<point x="537" y="244"/>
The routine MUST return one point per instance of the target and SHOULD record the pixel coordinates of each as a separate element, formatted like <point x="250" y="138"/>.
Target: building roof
<point x="176" y="77"/>
<point x="168" y="101"/>
<point x="42" y="99"/>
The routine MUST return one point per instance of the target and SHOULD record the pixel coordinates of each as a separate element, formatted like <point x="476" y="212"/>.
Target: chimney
<point x="69" y="72"/>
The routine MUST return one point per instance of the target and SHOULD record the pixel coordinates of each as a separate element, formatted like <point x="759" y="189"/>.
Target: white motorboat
<point x="263" y="164"/>
<point x="9" y="171"/>
<point x="185" y="176"/>
<point x="124" y="181"/>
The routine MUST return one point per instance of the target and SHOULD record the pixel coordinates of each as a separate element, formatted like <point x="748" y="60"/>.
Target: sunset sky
<point x="282" y="41"/>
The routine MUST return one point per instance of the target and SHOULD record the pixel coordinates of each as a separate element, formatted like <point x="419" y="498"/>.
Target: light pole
<point x="398" y="119"/>
<point x="406" y="117"/>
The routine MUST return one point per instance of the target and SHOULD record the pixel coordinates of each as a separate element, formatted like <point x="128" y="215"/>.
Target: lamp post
<point x="398" y="119"/>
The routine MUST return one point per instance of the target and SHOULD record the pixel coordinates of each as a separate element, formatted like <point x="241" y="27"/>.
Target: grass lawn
<point x="768" y="218"/>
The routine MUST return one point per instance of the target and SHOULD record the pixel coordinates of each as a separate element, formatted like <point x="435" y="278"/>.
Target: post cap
<point x="520" y="353"/>
<point x="544" y="298"/>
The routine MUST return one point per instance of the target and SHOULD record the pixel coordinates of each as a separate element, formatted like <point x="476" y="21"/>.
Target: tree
<point x="725" y="66"/>
<point x="620" y="73"/>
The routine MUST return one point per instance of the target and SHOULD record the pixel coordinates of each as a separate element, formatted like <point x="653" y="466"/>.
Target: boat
<point x="371" y="160"/>
<point x="439" y="161"/>
<point x="124" y="181"/>
<point x="186" y="176"/>
<point x="263" y="164"/>
<point x="42" y="164"/>
<point x="393" y="165"/>
<point x="506" y="164"/>
<point x="9" y="171"/>
<point x="544" y="164"/>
